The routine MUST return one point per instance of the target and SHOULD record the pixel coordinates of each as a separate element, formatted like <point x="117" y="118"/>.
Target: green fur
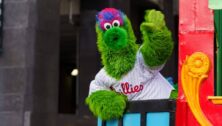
<point x="119" y="59"/>
<point x="107" y="104"/>
<point x="155" y="17"/>
<point x="174" y="94"/>
<point x="116" y="38"/>
<point x="118" y="51"/>
<point x="157" y="40"/>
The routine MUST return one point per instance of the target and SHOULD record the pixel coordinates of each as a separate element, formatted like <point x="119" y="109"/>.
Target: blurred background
<point x="49" y="56"/>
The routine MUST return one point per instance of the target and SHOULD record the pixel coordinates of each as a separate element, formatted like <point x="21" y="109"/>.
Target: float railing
<point x="146" y="113"/>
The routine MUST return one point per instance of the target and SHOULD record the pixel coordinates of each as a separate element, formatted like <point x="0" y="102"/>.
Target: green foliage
<point x="107" y="104"/>
<point x="157" y="40"/>
<point x="117" y="59"/>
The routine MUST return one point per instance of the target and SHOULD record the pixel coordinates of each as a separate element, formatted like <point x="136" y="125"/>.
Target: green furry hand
<point x="157" y="39"/>
<point x="154" y="20"/>
<point x="107" y="104"/>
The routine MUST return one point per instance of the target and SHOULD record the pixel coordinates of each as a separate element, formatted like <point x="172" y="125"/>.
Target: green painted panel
<point x="215" y="4"/>
<point x="218" y="26"/>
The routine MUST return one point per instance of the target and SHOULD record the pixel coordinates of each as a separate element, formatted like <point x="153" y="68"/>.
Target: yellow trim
<point x="216" y="99"/>
<point x="194" y="71"/>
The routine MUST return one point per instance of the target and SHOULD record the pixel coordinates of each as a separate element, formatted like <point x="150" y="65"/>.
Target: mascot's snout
<point x="116" y="38"/>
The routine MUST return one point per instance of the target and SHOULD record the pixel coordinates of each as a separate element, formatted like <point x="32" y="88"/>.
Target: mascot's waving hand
<point x="130" y="72"/>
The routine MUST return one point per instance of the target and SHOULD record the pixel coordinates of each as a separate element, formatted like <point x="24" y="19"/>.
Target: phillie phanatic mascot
<point x="130" y="72"/>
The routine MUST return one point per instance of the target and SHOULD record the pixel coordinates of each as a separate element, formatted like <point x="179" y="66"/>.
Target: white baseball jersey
<point x="140" y="83"/>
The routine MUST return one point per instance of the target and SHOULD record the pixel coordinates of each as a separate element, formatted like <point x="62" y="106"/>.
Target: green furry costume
<point x="116" y="43"/>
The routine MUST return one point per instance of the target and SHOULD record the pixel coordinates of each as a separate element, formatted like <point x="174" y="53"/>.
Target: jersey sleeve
<point x="144" y="66"/>
<point x="102" y="81"/>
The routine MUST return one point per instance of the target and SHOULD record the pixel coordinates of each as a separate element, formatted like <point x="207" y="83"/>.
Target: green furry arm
<point x="107" y="104"/>
<point x="157" y="41"/>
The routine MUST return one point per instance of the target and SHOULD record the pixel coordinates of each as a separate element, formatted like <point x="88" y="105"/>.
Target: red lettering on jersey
<point x="129" y="89"/>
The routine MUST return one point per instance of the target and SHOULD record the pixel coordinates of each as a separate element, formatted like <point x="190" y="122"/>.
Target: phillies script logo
<point x="129" y="89"/>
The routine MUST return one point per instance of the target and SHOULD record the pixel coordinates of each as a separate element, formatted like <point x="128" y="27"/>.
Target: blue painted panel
<point x="131" y="119"/>
<point x="158" y="119"/>
<point x="112" y="123"/>
<point x="99" y="122"/>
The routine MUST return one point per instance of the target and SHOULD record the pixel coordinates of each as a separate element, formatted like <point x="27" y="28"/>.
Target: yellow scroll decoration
<point x="194" y="71"/>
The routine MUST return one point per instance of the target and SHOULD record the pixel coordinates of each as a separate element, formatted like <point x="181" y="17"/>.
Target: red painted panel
<point x="204" y="16"/>
<point x="196" y="33"/>
<point x="186" y="10"/>
<point x="190" y="43"/>
<point x="181" y="115"/>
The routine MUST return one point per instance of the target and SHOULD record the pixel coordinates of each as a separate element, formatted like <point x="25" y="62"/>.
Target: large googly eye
<point x="107" y="26"/>
<point x="116" y="23"/>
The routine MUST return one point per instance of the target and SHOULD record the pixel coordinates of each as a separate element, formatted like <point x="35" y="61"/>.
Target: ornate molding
<point x="215" y="99"/>
<point x="194" y="71"/>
